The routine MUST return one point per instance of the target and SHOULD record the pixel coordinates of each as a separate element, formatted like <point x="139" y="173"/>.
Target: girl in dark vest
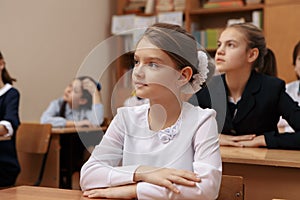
<point x="9" y="122"/>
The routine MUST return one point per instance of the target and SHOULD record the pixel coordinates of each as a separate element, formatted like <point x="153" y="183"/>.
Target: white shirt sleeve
<point x="9" y="128"/>
<point x="103" y="167"/>
<point x="207" y="164"/>
<point x="50" y="115"/>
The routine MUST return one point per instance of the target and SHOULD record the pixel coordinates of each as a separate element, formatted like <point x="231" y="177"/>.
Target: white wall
<point x="45" y="41"/>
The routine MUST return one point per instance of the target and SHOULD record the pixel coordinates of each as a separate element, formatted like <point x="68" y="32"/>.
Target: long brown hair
<point x="270" y="64"/>
<point x="6" y="78"/>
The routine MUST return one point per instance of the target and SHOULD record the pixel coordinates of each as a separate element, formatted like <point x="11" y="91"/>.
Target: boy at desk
<point x="80" y="106"/>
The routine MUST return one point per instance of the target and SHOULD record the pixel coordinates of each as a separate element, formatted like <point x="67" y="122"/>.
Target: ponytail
<point x="270" y="65"/>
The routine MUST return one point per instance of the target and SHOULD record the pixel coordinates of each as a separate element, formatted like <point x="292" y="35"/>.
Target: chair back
<point x="232" y="188"/>
<point x="32" y="144"/>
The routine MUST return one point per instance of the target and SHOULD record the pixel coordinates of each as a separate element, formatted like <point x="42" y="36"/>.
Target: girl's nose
<point x="220" y="50"/>
<point x="138" y="71"/>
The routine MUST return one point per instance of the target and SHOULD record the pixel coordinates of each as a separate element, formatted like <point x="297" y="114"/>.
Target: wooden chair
<point x="232" y="188"/>
<point x="32" y="144"/>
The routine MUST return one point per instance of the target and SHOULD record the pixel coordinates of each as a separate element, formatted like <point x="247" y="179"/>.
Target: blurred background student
<point x="81" y="105"/>
<point x="293" y="88"/>
<point x="9" y="122"/>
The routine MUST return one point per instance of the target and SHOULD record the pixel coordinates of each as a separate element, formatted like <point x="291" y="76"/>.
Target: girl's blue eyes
<point x="231" y="45"/>
<point x="150" y="64"/>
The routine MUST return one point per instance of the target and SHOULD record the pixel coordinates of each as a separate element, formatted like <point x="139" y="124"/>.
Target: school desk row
<point x="267" y="173"/>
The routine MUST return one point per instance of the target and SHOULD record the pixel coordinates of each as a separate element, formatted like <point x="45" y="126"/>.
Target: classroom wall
<point x="45" y="41"/>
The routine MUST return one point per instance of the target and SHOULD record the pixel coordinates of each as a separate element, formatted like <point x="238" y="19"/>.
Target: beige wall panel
<point x="45" y="42"/>
<point x="282" y="27"/>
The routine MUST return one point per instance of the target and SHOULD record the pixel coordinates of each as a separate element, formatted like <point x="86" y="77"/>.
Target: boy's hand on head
<point x="89" y="85"/>
<point x="165" y="177"/>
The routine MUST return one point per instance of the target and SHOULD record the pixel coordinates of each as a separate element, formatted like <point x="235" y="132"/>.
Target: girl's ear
<point x="82" y="101"/>
<point x="253" y="54"/>
<point x="185" y="75"/>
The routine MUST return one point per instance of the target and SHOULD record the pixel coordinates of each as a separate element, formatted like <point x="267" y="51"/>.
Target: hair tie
<point x="201" y="76"/>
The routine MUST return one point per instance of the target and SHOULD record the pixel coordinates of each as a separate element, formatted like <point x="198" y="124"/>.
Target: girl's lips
<point x="139" y="84"/>
<point x="220" y="60"/>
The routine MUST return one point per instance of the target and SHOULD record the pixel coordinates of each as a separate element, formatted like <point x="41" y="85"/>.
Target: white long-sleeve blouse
<point x="190" y="144"/>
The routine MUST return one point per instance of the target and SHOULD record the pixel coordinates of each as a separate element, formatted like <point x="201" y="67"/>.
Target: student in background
<point x="270" y="65"/>
<point x="254" y="101"/>
<point x="9" y="122"/>
<point x="80" y="105"/>
<point x="167" y="149"/>
<point x="293" y="88"/>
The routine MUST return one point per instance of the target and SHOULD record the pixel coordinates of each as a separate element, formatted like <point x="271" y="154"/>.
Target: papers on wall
<point x="134" y="26"/>
<point x="122" y="23"/>
<point x="171" y="17"/>
<point x="140" y="25"/>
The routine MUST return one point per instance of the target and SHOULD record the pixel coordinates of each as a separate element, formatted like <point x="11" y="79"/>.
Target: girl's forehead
<point x="145" y="44"/>
<point x="232" y="34"/>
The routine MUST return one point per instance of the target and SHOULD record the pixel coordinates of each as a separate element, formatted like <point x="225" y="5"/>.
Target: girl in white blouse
<point x="167" y="149"/>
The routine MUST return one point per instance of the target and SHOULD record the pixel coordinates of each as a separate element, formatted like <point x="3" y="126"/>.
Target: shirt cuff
<point x="9" y="128"/>
<point x="270" y="139"/>
<point x="122" y="175"/>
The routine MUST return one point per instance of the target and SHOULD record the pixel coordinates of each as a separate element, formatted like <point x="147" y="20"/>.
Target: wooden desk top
<point x="4" y="138"/>
<point x="261" y="156"/>
<point x="40" y="193"/>
<point x="76" y="130"/>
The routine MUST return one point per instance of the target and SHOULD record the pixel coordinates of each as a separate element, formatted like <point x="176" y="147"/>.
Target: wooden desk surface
<point x="76" y="129"/>
<point x="4" y="138"/>
<point x="40" y="193"/>
<point x="261" y="156"/>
